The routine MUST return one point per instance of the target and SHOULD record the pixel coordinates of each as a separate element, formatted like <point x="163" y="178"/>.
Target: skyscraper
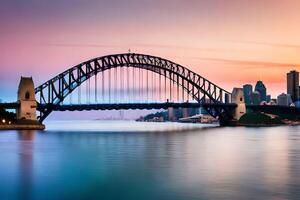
<point x="293" y="84"/>
<point x="247" y="93"/>
<point x="255" y="98"/>
<point x="261" y="89"/>
<point x="269" y="98"/>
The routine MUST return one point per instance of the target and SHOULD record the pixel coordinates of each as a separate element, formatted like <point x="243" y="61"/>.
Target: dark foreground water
<point x="117" y="160"/>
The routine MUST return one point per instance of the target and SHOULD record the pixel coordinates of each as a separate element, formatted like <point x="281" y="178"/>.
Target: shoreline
<point x="22" y="127"/>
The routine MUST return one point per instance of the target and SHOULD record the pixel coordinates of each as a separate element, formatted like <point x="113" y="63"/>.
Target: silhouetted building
<point x="255" y="98"/>
<point x="284" y="100"/>
<point x="247" y="93"/>
<point x="227" y="100"/>
<point x="293" y="85"/>
<point x="268" y="98"/>
<point x="261" y="89"/>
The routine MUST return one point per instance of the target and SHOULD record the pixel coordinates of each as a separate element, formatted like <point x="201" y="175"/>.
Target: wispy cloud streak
<point x="144" y="45"/>
<point x="80" y="45"/>
<point x="282" y="45"/>
<point x="249" y="63"/>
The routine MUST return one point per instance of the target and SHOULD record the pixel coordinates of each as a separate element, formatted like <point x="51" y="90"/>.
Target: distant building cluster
<point x="258" y="95"/>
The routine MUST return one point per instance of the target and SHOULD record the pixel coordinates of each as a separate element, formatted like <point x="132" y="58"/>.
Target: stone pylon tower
<point x="238" y="98"/>
<point x="26" y="99"/>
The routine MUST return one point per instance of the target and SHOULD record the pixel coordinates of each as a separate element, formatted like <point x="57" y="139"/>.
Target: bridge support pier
<point x="26" y="100"/>
<point x="171" y="114"/>
<point x="185" y="112"/>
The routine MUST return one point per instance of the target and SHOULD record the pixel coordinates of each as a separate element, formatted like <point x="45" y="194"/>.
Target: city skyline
<point x="41" y="39"/>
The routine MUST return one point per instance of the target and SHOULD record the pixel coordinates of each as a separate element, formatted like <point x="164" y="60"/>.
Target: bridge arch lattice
<point x="55" y="90"/>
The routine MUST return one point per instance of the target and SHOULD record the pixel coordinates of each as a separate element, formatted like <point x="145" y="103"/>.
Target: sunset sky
<point x="230" y="42"/>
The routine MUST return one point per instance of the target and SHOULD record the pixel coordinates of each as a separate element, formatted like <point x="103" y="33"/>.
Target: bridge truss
<point x="129" y="78"/>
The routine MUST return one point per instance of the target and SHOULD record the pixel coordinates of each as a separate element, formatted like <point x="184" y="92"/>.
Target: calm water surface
<point x="130" y="160"/>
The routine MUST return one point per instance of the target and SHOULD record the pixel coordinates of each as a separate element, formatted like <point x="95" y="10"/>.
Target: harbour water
<point x="136" y="160"/>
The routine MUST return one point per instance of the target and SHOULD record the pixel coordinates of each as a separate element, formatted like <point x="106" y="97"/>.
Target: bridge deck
<point x="275" y="109"/>
<point x="14" y="105"/>
<point x="129" y="106"/>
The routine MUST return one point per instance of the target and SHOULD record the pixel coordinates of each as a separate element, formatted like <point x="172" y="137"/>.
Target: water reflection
<point x="213" y="163"/>
<point x="26" y="149"/>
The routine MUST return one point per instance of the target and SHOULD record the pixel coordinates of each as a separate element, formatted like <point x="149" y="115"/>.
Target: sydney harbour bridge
<point x="131" y="81"/>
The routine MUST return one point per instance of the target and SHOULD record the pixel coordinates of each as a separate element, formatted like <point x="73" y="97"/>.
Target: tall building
<point x="261" y="89"/>
<point x="284" y="100"/>
<point x="255" y="98"/>
<point x="247" y="93"/>
<point x="293" y="85"/>
<point x="269" y="98"/>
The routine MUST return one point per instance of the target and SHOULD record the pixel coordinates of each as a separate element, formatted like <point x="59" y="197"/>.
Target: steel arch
<point x="55" y="90"/>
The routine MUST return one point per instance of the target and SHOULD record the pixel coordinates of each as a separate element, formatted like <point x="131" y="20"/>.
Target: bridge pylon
<point x="26" y="99"/>
<point x="237" y="97"/>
